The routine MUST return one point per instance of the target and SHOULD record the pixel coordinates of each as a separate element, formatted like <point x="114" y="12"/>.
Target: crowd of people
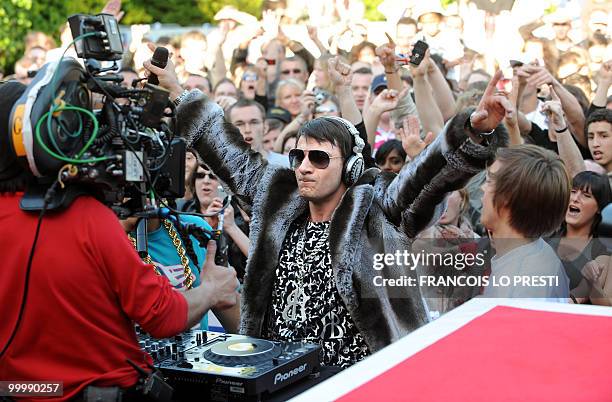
<point x="335" y="150"/>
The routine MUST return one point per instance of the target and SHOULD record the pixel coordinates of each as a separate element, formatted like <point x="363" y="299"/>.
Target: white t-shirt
<point x="533" y="271"/>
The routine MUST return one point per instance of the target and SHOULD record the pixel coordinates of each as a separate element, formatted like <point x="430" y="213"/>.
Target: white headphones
<point x="354" y="165"/>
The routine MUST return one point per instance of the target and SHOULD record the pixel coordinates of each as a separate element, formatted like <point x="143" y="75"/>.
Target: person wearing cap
<point x="85" y="287"/>
<point x="277" y="119"/>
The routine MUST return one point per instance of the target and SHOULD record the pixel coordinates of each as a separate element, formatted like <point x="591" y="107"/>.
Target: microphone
<point x="159" y="59"/>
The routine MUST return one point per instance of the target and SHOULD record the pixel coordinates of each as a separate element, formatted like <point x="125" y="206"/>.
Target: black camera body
<point x="80" y="127"/>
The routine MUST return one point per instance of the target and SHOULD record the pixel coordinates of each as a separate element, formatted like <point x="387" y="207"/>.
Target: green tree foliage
<point x="18" y="17"/>
<point x="371" y="11"/>
<point x="14" y="25"/>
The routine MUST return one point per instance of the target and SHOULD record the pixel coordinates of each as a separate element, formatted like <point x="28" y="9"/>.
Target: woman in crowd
<point x="288" y="96"/>
<point x="205" y="187"/>
<point x="578" y="244"/>
<point x="391" y="156"/>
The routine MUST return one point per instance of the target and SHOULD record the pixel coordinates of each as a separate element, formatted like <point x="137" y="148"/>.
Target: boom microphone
<point x="159" y="59"/>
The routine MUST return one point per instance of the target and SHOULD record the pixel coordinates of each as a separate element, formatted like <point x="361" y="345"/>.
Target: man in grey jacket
<point x="316" y="228"/>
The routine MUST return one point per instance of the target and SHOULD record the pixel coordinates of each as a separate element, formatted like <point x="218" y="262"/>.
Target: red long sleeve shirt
<point x="87" y="286"/>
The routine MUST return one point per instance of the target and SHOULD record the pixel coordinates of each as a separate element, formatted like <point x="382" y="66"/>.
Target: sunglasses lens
<point x="319" y="159"/>
<point x="296" y="157"/>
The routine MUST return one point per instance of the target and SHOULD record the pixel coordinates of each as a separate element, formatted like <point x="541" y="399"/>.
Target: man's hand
<point x="225" y="102"/>
<point x="591" y="271"/>
<point x="113" y="7"/>
<point x="313" y="34"/>
<point x="423" y="68"/>
<point x="386" y="54"/>
<point x="539" y="76"/>
<point x="386" y="101"/>
<point x="339" y="72"/>
<point x="492" y="109"/>
<point x="308" y="104"/>
<point x="411" y="139"/>
<point x="554" y="110"/>
<point x="605" y="74"/>
<point x="167" y="76"/>
<point x="220" y="282"/>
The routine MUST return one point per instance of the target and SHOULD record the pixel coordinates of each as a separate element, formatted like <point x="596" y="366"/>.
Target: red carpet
<point x="507" y="354"/>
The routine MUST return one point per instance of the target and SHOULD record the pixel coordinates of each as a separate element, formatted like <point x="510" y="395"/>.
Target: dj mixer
<point x="223" y="367"/>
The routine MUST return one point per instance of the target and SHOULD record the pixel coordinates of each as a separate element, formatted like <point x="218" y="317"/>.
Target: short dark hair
<point x="299" y="59"/>
<point x="328" y="130"/>
<point x="533" y="185"/>
<point x="597" y="116"/>
<point x="274" y="124"/>
<point x="363" y="70"/>
<point x="243" y="102"/>
<point x="386" y="148"/>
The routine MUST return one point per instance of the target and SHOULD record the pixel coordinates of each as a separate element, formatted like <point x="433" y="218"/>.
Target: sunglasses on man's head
<point x="201" y="175"/>
<point x="294" y="71"/>
<point x="319" y="159"/>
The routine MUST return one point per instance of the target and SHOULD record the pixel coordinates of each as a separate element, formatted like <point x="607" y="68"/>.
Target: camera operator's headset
<point x="32" y="106"/>
<point x="354" y="165"/>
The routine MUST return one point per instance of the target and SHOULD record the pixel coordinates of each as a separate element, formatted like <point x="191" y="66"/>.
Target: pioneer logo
<point x="280" y="377"/>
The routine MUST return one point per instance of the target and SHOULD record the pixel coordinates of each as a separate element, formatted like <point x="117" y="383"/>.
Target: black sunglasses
<point x="318" y="159"/>
<point x="201" y="175"/>
<point x="294" y="71"/>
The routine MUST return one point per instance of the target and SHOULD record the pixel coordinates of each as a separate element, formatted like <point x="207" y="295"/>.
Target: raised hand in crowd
<point x="410" y="137"/>
<point x="340" y="76"/>
<point x="511" y="121"/>
<point x="554" y="111"/>
<point x="113" y="7"/>
<point x="308" y="105"/>
<point x="491" y="110"/>
<point x="137" y="34"/>
<point x="225" y="102"/>
<point x="339" y="72"/>
<point x="386" y="54"/>
<point x="558" y="131"/>
<point x="539" y="77"/>
<point x="604" y="81"/>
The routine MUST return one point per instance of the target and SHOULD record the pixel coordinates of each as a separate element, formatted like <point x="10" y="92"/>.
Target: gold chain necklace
<point x="178" y="244"/>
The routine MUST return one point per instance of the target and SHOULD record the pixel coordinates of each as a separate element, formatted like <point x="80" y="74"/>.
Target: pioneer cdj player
<point x="222" y="367"/>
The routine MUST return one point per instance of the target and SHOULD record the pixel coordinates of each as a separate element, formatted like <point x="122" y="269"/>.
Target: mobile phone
<point x="418" y="52"/>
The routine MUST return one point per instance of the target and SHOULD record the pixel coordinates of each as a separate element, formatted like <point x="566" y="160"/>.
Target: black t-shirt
<point x="539" y="137"/>
<point x="305" y="302"/>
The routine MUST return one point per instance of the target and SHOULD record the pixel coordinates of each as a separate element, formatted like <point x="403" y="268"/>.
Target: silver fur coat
<point x="381" y="213"/>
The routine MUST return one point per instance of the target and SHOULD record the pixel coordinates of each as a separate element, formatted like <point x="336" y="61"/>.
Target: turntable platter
<point x="245" y="351"/>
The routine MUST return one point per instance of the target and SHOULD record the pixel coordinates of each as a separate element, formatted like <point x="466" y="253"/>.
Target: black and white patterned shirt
<point x="306" y="304"/>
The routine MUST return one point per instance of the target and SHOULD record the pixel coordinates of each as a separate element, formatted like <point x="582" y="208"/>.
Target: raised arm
<point x="571" y="107"/>
<point x="429" y="114"/>
<point x="603" y="84"/>
<point x="459" y="152"/>
<point x="202" y="123"/>
<point x="568" y="150"/>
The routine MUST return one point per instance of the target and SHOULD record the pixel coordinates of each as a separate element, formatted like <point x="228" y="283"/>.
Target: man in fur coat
<point x="317" y="228"/>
